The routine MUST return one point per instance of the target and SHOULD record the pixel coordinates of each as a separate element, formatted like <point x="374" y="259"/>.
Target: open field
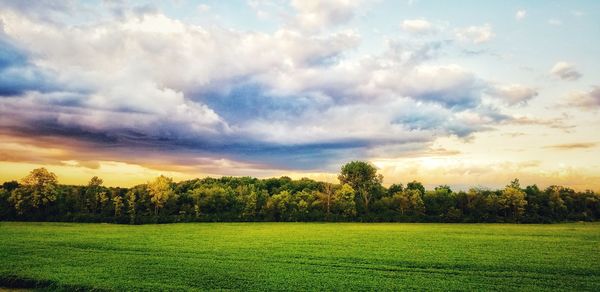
<point x="302" y="256"/>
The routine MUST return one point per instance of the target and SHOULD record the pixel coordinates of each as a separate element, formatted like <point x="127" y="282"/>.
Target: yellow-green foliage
<point x="160" y="190"/>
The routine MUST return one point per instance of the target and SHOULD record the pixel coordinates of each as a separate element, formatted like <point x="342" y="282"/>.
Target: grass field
<point x="302" y="256"/>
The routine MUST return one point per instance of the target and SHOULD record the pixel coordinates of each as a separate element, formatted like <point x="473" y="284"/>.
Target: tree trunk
<point x="366" y="198"/>
<point x="328" y="206"/>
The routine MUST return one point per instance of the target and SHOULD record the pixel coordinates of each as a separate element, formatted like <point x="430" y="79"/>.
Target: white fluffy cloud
<point x="585" y="99"/>
<point x="418" y="26"/>
<point x="513" y="94"/>
<point x="565" y="71"/>
<point x="147" y="78"/>
<point x="315" y="15"/>
<point x="475" y="34"/>
<point x="520" y="14"/>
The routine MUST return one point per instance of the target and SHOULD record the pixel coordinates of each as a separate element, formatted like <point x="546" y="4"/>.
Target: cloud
<point x="571" y="146"/>
<point x="582" y="99"/>
<point x="565" y="71"/>
<point x="451" y="85"/>
<point x="475" y="34"/>
<point x="43" y="10"/>
<point x="314" y="15"/>
<point x="147" y="83"/>
<point x="513" y="94"/>
<point x="17" y="74"/>
<point x="126" y="89"/>
<point x="520" y="14"/>
<point x="418" y="26"/>
<point x="553" y="123"/>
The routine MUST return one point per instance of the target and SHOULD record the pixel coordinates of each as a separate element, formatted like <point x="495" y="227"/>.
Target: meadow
<point x="301" y="256"/>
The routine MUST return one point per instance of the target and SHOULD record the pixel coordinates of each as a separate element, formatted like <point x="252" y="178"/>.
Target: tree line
<point x="359" y="196"/>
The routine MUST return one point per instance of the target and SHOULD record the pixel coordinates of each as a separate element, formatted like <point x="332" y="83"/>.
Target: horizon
<point x="461" y="95"/>
<point x="328" y="178"/>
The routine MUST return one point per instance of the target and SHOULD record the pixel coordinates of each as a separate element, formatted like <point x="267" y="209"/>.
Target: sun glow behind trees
<point x="359" y="196"/>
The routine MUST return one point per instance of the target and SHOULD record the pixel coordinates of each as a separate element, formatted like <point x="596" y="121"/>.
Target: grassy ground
<point x="302" y="256"/>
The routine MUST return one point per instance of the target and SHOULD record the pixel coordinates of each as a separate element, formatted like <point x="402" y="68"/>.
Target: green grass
<point x="302" y="256"/>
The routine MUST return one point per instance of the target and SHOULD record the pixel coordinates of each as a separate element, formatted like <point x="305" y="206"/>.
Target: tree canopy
<point x="359" y="196"/>
<point x="363" y="178"/>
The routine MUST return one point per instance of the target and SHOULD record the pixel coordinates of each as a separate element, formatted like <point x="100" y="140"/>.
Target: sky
<point x="464" y="93"/>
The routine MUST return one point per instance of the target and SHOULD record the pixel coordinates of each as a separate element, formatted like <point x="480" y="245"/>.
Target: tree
<point x="475" y="205"/>
<point x="556" y="204"/>
<point x="38" y="190"/>
<point x="344" y="201"/>
<point x="213" y="199"/>
<point x="43" y="183"/>
<point x="439" y="201"/>
<point x="160" y="191"/>
<point x="131" y="205"/>
<point x="20" y="200"/>
<point x="5" y="208"/>
<point x="535" y="203"/>
<point x="93" y="194"/>
<point x="363" y="179"/>
<point x="281" y="207"/>
<point x="515" y="184"/>
<point x="417" y="186"/>
<point x="410" y="202"/>
<point x="39" y="197"/>
<point x="118" y="203"/>
<point x="327" y="197"/>
<point x="252" y="200"/>
<point x="395" y="188"/>
<point x="512" y="200"/>
<point x="9" y="186"/>
<point x="308" y="206"/>
<point x="445" y="188"/>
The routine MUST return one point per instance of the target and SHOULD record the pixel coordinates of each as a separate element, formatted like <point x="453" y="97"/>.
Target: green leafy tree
<point x="40" y="197"/>
<point x="252" y="199"/>
<point x="213" y="199"/>
<point x="93" y="194"/>
<point x="453" y="215"/>
<point x="160" y="191"/>
<point x="9" y="186"/>
<point x="307" y="204"/>
<point x="474" y="205"/>
<point x="5" y="207"/>
<point x="439" y="201"/>
<point x="556" y="204"/>
<point x="445" y="188"/>
<point x="118" y="205"/>
<point x="512" y="200"/>
<point x="131" y="205"/>
<point x="410" y="202"/>
<point x="344" y="203"/>
<point x="417" y="186"/>
<point x="38" y="189"/>
<point x="327" y="197"/>
<point x="281" y="207"/>
<point x="395" y="188"/>
<point x="363" y="179"/>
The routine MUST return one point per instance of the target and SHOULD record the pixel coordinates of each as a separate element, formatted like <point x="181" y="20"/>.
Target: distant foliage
<point x="360" y="196"/>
